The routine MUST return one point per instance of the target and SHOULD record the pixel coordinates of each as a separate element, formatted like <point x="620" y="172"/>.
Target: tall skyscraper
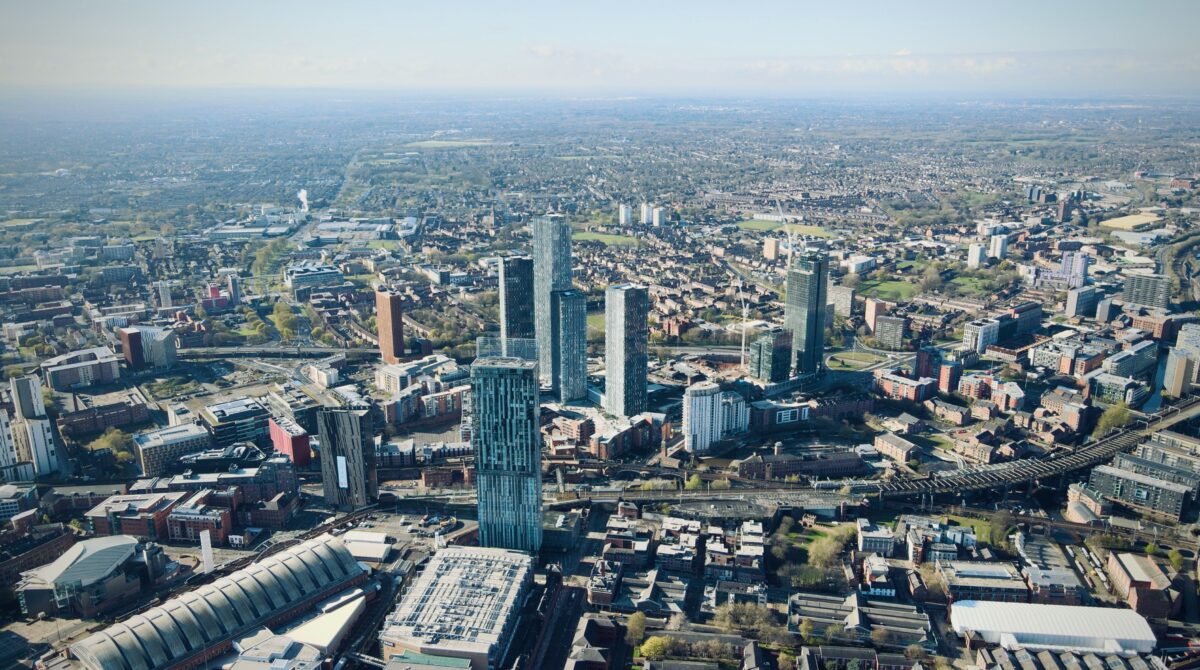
<point x="568" y="340"/>
<point x="233" y="285"/>
<point x="551" y="272"/>
<point x="1148" y="291"/>
<point x="516" y="298"/>
<point x="27" y="397"/>
<point x="348" y="472"/>
<point x="1074" y="267"/>
<point x="771" y="356"/>
<point x="804" y="313"/>
<point x="164" y="294"/>
<point x="976" y="255"/>
<point x="626" y="333"/>
<point x="507" y="445"/>
<point x="389" y="324"/>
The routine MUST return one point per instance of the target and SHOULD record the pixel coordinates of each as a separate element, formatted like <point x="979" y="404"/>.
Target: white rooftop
<point x="1056" y="627"/>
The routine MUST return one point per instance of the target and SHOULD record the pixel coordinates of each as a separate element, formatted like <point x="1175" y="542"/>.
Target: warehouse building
<point x="465" y="605"/>
<point x="201" y="625"/>
<point x="1099" y="630"/>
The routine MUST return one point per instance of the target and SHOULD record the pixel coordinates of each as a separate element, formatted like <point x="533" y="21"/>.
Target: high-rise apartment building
<point x="805" y="311"/>
<point x="647" y="213"/>
<point x="551" y="272"/>
<point x="998" y="247"/>
<point x="625" y="215"/>
<point x="348" y="456"/>
<point x="148" y="346"/>
<point x="507" y="444"/>
<point x="701" y="417"/>
<point x="771" y="356"/>
<point x="842" y="299"/>
<point x="389" y="324"/>
<point x="568" y="359"/>
<point x="976" y="256"/>
<point x="516" y="297"/>
<point x="1148" y="291"/>
<point x="979" y="334"/>
<point x="626" y="335"/>
<point x="32" y="434"/>
<point x="889" y="332"/>
<point x="1082" y="301"/>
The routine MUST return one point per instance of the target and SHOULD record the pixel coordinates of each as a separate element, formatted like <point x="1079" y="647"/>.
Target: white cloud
<point x="904" y="52"/>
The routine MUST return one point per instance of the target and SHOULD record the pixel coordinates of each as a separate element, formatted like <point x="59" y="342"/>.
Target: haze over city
<point x="599" y="336"/>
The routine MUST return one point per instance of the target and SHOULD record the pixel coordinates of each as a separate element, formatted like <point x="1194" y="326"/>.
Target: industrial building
<point x="93" y="576"/>
<point x="466" y="604"/>
<point x="201" y="625"/>
<point x="1100" y="630"/>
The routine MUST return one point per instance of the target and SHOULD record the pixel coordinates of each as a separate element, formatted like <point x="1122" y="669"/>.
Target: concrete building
<point x="516" y="297"/>
<point x="241" y="420"/>
<point x="32" y="433"/>
<point x="983" y="580"/>
<point x="1082" y="302"/>
<point x="507" y="444"/>
<point x="1143" y="492"/>
<point x="976" y="256"/>
<point x="1149" y="290"/>
<point x="804" y="311"/>
<point x="158" y="449"/>
<point x="701" y="417"/>
<point x="568" y="324"/>
<point x="979" y="334"/>
<point x="466" y="604"/>
<point x="389" y="324"/>
<point x="842" y="299"/>
<point x="875" y="539"/>
<point x="200" y="625"/>
<point x="81" y="369"/>
<point x="998" y="247"/>
<point x="348" y="476"/>
<point x="889" y="332"/>
<point x="626" y="333"/>
<point x="624" y="215"/>
<point x="551" y="272"/>
<point x="93" y="576"/>
<point x="289" y="439"/>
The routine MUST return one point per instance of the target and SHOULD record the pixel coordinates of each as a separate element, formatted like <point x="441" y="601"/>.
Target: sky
<point x="574" y="48"/>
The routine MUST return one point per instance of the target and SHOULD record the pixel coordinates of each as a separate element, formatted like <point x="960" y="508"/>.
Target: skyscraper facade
<point x="701" y="417"/>
<point x="568" y="341"/>
<point x="551" y="272"/>
<point x="771" y="356"/>
<point x="1082" y="301"/>
<point x="516" y="297"/>
<point x="348" y="472"/>
<point x="507" y="445"/>
<point x="389" y="324"/>
<point x="1148" y="291"/>
<point x="32" y="435"/>
<point x="626" y="335"/>
<point x="805" y="311"/>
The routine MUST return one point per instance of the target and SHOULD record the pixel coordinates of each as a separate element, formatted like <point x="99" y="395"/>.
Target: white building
<point x="998" y="247"/>
<point x="658" y="216"/>
<point x="1033" y="626"/>
<point x="9" y="459"/>
<point x="625" y="215"/>
<point x="735" y="415"/>
<point x="980" y="333"/>
<point x="976" y="255"/>
<point x="647" y="214"/>
<point x="701" y="416"/>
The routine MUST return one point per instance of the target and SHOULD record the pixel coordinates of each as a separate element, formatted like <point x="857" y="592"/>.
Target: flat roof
<point x="1062" y="627"/>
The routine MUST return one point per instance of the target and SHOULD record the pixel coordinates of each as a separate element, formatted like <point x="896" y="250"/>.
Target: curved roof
<point x="197" y="620"/>
<point x="86" y="562"/>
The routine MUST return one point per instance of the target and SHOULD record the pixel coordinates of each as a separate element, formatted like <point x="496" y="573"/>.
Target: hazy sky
<point x="1093" y="47"/>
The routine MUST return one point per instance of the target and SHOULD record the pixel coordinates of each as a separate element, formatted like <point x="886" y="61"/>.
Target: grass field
<point x="605" y="238"/>
<point x="852" y="360"/>
<point x="969" y="284"/>
<point x="448" y="144"/>
<point x="383" y="244"/>
<point x="595" y="326"/>
<point x="760" y="225"/>
<point x="796" y="228"/>
<point x="888" y="290"/>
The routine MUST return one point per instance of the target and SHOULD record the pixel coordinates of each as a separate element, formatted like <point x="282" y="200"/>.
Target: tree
<point x="1151" y="549"/>
<point x="635" y="629"/>
<point x="1116" y="416"/>
<point x="806" y="629"/>
<point x="851" y="281"/>
<point x="720" y="485"/>
<point x="658" y="647"/>
<point x="1176" y="557"/>
<point x="678" y="621"/>
<point x="694" y="483"/>
<point x="914" y="651"/>
<point x="786" y="661"/>
<point x="881" y="637"/>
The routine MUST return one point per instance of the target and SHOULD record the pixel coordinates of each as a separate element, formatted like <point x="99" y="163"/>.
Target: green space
<point x="383" y="244"/>
<point x="760" y="225"/>
<point x="888" y="290"/>
<point x="914" y="265"/>
<point x="852" y="360"/>
<point x="171" y="387"/>
<point x="971" y="285"/>
<point x="605" y="238"/>
<point x="448" y="144"/>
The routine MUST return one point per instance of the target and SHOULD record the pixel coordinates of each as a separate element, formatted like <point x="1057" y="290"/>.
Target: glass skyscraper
<point x="516" y="297"/>
<point x="507" y="445"/>
<point x="771" y="356"/>
<point x="626" y="333"/>
<point x="804" y="315"/>
<point x="568" y="356"/>
<point x="551" y="272"/>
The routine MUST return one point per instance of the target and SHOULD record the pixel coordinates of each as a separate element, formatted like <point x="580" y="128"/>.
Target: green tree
<point x="1151" y="549"/>
<point x="881" y="637"/>
<point x="635" y="629"/>
<point x="1116" y="416"/>
<point x="806" y="629"/>
<point x="1176" y="558"/>
<point x="657" y="648"/>
<point x="694" y="483"/>
<point x="720" y="485"/>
